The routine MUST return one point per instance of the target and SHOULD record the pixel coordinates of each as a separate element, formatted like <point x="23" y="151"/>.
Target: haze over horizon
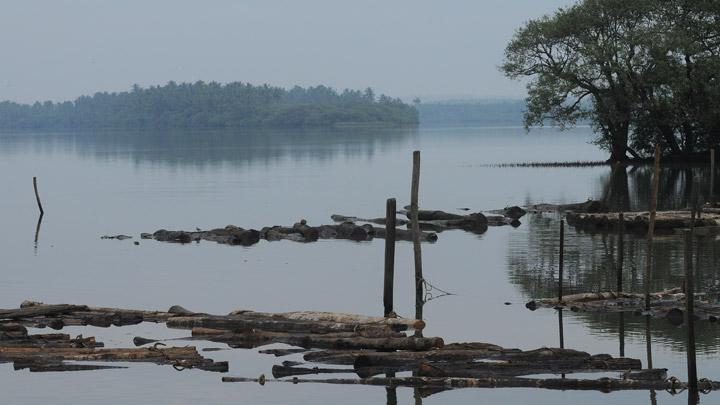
<point x="59" y="50"/>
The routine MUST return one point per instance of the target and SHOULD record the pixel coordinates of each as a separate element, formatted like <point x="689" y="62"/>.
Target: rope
<point x="429" y="288"/>
<point x="674" y="386"/>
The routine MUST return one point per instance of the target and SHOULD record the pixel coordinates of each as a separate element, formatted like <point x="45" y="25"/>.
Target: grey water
<point x="127" y="182"/>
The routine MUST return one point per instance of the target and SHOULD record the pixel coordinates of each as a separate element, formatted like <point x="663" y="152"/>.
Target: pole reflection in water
<point x="37" y="233"/>
<point x="648" y="347"/>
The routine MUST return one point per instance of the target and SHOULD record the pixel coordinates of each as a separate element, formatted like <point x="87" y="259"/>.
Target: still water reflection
<point x="130" y="182"/>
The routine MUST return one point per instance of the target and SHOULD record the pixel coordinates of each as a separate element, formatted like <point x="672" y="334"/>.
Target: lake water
<point x="106" y="183"/>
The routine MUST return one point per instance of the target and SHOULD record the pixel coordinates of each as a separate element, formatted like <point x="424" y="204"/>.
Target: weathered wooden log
<point x="282" y="352"/>
<point x="42" y="366"/>
<point x="41" y="310"/>
<point x="480" y="369"/>
<point x="345" y="341"/>
<point x="186" y="357"/>
<point x="231" y="235"/>
<point x="406" y="235"/>
<point x="309" y="233"/>
<point x="602" y="384"/>
<point x="608" y="295"/>
<point x="361" y="359"/>
<point x="589" y="206"/>
<point x="376" y="221"/>
<point x="243" y="323"/>
<point x="317" y="316"/>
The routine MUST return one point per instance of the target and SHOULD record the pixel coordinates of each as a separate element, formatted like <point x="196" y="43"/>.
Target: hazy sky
<point x="60" y="49"/>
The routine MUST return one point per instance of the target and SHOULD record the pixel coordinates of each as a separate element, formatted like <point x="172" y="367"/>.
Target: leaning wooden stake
<point x="690" y="317"/>
<point x="37" y="196"/>
<point x="651" y="226"/>
<point x="561" y="261"/>
<point x="389" y="256"/>
<point x="416" y="236"/>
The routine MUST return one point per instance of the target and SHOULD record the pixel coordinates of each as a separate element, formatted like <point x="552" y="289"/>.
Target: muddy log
<point x="602" y="384"/>
<point x="609" y="295"/>
<point x="185" y="357"/>
<point x="317" y="316"/>
<point x="342" y="341"/>
<point x="589" y="206"/>
<point x="639" y="222"/>
<point x="240" y="323"/>
<point x="376" y="221"/>
<point x="452" y="354"/>
<point x="231" y="235"/>
<point x="481" y="369"/>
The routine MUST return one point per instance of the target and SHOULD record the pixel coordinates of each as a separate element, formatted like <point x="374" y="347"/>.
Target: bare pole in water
<point x="388" y="285"/>
<point x="690" y="317"/>
<point x="37" y="196"/>
<point x="416" y="235"/>
<point x="651" y="225"/>
<point x="561" y="260"/>
<point x="620" y="251"/>
<point x="712" y="177"/>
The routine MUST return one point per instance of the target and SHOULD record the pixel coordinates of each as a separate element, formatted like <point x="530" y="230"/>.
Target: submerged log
<point x="231" y="235"/>
<point x="346" y="341"/>
<point x="376" y="221"/>
<point x="185" y="357"/>
<point x="608" y="295"/>
<point x="602" y="384"/>
<point x="589" y="206"/>
<point x="639" y="222"/>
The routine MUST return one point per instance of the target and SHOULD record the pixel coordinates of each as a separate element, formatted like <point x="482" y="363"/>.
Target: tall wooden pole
<point x="416" y="236"/>
<point x="37" y="196"/>
<point x="651" y="226"/>
<point x="712" y="177"/>
<point x="620" y="251"/>
<point x="561" y="260"/>
<point x="388" y="285"/>
<point x="690" y="317"/>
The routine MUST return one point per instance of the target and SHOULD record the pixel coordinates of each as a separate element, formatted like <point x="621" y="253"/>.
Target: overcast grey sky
<point x="60" y="49"/>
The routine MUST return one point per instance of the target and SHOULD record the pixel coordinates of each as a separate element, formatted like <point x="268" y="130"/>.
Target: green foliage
<point x="212" y="105"/>
<point x="647" y="67"/>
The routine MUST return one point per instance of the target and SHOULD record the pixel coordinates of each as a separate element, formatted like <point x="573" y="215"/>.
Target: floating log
<point x="231" y="235"/>
<point x="242" y="323"/>
<point x="282" y="352"/>
<point x="316" y="316"/>
<point x="602" y="384"/>
<point x="345" y="341"/>
<point x="40" y="366"/>
<point x="608" y="295"/>
<point x="639" y="222"/>
<point x="376" y="221"/>
<point x="589" y="206"/>
<point x="185" y="357"/>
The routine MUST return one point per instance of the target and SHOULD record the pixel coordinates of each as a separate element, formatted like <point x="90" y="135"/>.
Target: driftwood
<point x="185" y="357"/>
<point x="347" y="340"/>
<point x="639" y="222"/>
<point x="316" y="316"/>
<point x="231" y="235"/>
<point x="376" y="221"/>
<point x="589" y="206"/>
<point x="668" y="304"/>
<point x="282" y="352"/>
<point x="242" y="323"/>
<point x="602" y="384"/>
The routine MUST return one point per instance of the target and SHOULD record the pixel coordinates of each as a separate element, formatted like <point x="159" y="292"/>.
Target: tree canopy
<point x="642" y="71"/>
<point x="212" y="105"/>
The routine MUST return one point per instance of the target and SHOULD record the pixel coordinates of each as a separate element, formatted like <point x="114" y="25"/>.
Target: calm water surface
<point x="93" y="184"/>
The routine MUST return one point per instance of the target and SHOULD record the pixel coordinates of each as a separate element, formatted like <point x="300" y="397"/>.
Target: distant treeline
<point x="473" y="112"/>
<point x="212" y="105"/>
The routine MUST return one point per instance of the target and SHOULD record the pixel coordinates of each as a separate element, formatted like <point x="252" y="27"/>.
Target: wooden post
<point x="620" y="251"/>
<point x="561" y="260"/>
<point x="712" y="177"/>
<point x="621" y="332"/>
<point x="416" y="235"/>
<point x="390" y="210"/>
<point x="690" y="317"/>
<point x="651" y="226"/>
<point x="37" y="196"/>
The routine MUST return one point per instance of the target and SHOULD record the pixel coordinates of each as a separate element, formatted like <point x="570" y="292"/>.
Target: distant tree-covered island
<point x="212" y="105"/>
